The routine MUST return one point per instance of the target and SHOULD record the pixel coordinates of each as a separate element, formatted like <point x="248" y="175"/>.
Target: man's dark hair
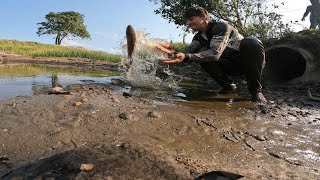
<point x="314" y="2"/>
<point x="195" y="11"/>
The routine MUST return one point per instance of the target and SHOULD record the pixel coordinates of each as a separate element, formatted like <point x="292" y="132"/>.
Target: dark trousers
<point x="314" y="21"/>
<point x="249" y="62"/>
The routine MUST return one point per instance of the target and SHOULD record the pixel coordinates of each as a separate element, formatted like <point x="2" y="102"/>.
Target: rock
<point x="125" y="94"/>
<point x="86" y="167"/>
<point x="260" y="137"/>
<point x="115" y="100"/>
<point x="125" y="116"/>
<point x="56" y="89"/>
<point x="153" y="114"/>
<point x="77" y="104"/>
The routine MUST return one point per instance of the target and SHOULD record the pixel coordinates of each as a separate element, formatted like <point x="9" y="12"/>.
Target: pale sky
<point x="106" y="20"/>
<point x="293" y="10"/>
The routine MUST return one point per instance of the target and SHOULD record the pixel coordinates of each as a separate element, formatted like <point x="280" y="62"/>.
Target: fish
<point x="131" y="42"/>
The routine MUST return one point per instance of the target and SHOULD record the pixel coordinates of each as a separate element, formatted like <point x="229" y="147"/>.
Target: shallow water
<point x="20" y="80"/>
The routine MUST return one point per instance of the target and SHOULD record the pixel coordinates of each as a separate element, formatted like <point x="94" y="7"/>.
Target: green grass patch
<point x="35" y="49"/>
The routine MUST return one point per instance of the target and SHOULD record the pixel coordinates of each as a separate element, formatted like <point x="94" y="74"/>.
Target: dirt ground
<point x="52" y="136"/>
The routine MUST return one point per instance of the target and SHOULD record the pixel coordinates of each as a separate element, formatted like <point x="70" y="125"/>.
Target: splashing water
<point x="146" y="69"/>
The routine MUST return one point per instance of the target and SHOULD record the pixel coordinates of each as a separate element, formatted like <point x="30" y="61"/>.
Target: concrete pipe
<point x="287" y="62"/>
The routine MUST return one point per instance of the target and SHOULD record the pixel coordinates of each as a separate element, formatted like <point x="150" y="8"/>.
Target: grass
<point x="35" y="49"/>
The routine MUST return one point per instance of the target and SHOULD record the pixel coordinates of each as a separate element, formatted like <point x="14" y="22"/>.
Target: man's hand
<point x="302" y="19"/>
<point x="176" y="58"/>
<point x="166" y="48"/>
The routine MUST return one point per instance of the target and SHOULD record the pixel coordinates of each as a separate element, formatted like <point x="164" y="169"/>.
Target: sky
<point x="106" y="20"/>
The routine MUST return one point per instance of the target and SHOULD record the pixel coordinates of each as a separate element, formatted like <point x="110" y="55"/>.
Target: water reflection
<point x="17" y="80"/>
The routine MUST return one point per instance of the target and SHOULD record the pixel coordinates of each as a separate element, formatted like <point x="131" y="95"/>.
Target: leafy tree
<point x="62" y="24"/>
<point x="250" y="17"/>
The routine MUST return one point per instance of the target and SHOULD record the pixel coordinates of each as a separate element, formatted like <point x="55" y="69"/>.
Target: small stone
<point x="260" y="137"/>
<point x="77" y="104"/>
<point x="115" y="100"/>
<point x="56" y="89"/>
<point x="153" y="114"/>
<point x="125" y="116"/>
<point x="125" y="94"/>
<point x="86" y="167"/>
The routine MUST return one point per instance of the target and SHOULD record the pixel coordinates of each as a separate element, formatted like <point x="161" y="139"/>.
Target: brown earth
<point x="51" y="136"/>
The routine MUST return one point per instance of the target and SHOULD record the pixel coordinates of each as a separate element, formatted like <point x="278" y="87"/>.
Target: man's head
<point x="197" y="18"/>
<point x="314" y="2"/>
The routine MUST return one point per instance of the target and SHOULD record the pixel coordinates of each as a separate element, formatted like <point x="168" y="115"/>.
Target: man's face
<point x="195" y="22"/>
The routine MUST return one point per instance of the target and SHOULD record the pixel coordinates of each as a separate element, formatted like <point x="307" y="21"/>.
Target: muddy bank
<point x="50" y="136"/>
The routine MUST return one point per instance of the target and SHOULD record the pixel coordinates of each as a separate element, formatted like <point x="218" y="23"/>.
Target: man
<point x="314" y="11"/>
<point x="222" y="51"/>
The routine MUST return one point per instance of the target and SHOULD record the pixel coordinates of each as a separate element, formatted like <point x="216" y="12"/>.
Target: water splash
<point x="146" y="69"/>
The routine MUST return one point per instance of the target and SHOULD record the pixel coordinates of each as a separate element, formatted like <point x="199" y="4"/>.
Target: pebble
<point x="260" y="137"/>
<point x="153" y="114"/>
<point x="86" y="167"/>
<point x="57" y="89"/>
<point x="115" y="100"/>
<point x="125" y="116"/>
<point x="125" y="94"/>
<point x="77" y="104"/>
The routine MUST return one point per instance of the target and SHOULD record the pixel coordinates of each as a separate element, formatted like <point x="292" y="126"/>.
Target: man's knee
<point x="252" y="52"/>
<point x="249" y="42"/>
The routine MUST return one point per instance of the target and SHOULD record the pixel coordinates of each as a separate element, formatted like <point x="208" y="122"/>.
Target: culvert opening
<point x="284" y="64"/>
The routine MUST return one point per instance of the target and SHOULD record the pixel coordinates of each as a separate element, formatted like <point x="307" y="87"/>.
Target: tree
<point x="250" y="17"/>
<point x="62" y="24"/>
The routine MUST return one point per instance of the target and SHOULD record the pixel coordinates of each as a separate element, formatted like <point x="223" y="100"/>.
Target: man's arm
<point x="308" y="10"/>
<point x="196" y="52"/>
<point x="218" y="44"/>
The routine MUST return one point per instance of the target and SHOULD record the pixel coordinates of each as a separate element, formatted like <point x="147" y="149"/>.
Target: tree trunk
<point x="57" y="39"/>
<point x="61" y="37"/>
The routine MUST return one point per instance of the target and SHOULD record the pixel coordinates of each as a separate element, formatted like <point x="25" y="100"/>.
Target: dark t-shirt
<point x="220" y="41"/>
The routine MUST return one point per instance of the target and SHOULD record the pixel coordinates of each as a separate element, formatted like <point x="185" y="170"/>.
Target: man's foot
<point x="228" y="90"/>
<point x="259" y="98"/>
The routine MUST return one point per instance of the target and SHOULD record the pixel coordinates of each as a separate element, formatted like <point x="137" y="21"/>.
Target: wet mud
<point x="123" y="137"/>
<point x="133" y="137"/>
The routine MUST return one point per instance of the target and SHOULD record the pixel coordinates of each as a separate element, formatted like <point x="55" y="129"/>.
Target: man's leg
<point x="313" y="23"/>
<point x="215" y="70"/>
<point x="252" y="56"/>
